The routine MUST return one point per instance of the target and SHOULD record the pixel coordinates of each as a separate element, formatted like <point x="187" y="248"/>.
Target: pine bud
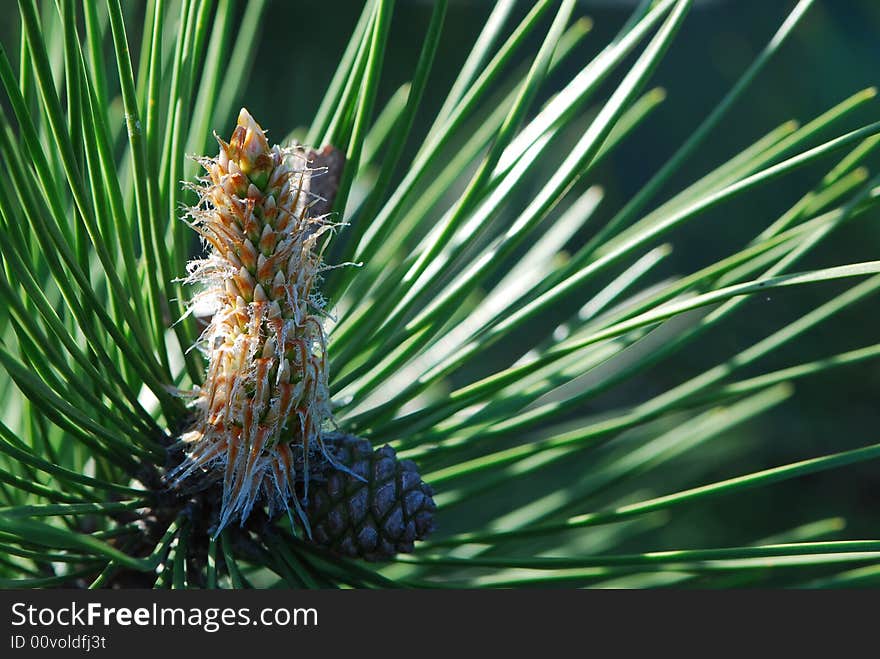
<point x="264" y="405"/>
<point x="374" y="518"/>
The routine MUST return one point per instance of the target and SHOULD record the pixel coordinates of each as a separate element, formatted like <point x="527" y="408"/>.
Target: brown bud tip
<point x="328" y="164"/>
<point x="250" y="148"/>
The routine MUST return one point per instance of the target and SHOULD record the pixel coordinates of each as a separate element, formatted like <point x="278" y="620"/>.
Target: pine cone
<point x="375" y="518"/>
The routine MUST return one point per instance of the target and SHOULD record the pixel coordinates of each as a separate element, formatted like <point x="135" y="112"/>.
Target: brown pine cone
<point x="374" y="518"/>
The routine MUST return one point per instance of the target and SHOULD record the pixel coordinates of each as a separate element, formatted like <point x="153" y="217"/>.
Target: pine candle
<point x="263" y="413"/>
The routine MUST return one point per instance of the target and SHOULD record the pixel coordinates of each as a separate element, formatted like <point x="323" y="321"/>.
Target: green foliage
<point x="459" y="248"/>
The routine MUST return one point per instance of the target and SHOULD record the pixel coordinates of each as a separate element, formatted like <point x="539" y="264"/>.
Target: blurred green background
<point x="834" y="52"/>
